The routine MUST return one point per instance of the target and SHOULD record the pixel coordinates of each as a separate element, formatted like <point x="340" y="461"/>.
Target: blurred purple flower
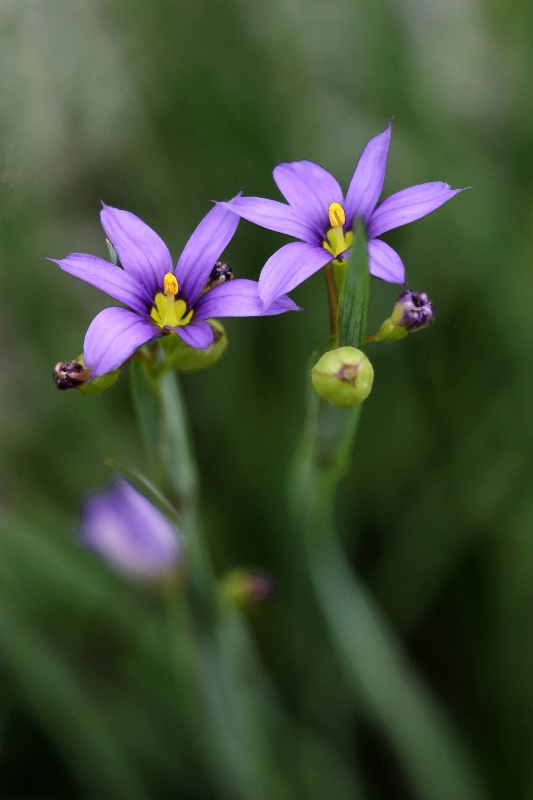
<point x="323" y="219"/>
<point x="130" y="533"/>
<point x="161" y="299"/>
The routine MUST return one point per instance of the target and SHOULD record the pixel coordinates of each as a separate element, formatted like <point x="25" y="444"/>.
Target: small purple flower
<point x="130" y="533"/>
<point x="323" y="219"/>
<point x="161" y="299"/>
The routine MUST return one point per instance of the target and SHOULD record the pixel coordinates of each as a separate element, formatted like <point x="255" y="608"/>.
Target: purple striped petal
<point x="131" y="534"/>
<point x="197" y="334"/>
<point x="274" y="216"/>
<point x="288" y="267"/>
<point x="142" y="253"/>
<point x="310" y="189"/>
<point x="105" y="276"/>
<point x="205" y="245"/>
<point x="409" y="205"/>
<point x="384" y="262"/>
<point x="113" y="336"/>
<point x="367" y="181"/>
<point x="239" y="298"/>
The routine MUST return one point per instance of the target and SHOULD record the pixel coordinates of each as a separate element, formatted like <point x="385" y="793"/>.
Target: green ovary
<point x="168" y="312"/>
<point x="337" y="242"/>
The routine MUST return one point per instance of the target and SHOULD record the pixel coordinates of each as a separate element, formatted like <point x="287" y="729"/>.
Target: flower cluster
<point x="162" y="299"/>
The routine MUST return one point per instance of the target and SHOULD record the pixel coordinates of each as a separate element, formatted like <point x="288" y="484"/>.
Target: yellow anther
<point x="170" y="285"/>
<point x="337" y="217"/>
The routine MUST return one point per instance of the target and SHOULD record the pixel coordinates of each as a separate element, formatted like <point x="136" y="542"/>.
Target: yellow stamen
<point x="168" y="312"/>
<point x="337" y="217"/>
<point x="170" y="284"/>
<point x="337" y="242"/>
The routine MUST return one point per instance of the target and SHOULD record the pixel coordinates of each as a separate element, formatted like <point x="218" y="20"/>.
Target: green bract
<point x="182" y="357"/>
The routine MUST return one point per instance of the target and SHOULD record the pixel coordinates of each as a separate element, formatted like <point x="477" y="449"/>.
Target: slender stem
<point x="211" y="649"/>
<point x="368" y="651"/>
<point x="332" y="301"/>
<point x="164" y="425"/>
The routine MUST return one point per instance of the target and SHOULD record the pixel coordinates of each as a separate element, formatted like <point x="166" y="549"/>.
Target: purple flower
<point x="161" y="299"/>
<point x="129" y="532"/>
<point x="323" y="219"/>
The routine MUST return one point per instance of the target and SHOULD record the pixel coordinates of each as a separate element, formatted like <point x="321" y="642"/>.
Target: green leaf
<point x="146" y="487"/>
<point x="147" y="409"/>
<point x="355" y="294"/>
<point x="51" y="690"/>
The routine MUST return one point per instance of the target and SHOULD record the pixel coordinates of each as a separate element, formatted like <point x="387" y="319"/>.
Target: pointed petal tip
<point x="384" y="262"/>
<point x="280" y="305"/>
<point x="228" y="202"/>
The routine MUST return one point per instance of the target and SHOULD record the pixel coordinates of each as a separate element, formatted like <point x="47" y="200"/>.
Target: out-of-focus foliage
<point x="159" y="107"/>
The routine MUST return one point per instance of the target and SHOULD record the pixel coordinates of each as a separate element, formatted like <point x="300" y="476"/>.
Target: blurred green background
<point x="159" y="107"/>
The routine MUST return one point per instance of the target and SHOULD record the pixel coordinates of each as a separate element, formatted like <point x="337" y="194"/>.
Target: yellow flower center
<point x="168" y="312"/>
<point x="336" y="241"/>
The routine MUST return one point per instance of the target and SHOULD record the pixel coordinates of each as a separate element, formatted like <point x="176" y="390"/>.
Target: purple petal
<point x="202" y="251"/>
<point x="106" y="277"/>
<point x="129" y="532"/>
<point x="289" y="267"/>
<point x="113" y="336"/>
<point x="409" y="205"/>
<point x="310" y="189"/>
<point x="384" y="262"/>
<point x="239" y="298"/>
<point x="197" y="334"/>
<point x="279" y="306"/>
<point x="367" y="181"/>
<point x="142" y="253"/>
<point x="274" y="216"/>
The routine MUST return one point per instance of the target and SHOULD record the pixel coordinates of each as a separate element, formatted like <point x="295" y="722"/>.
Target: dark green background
<point x="158" y="107"/>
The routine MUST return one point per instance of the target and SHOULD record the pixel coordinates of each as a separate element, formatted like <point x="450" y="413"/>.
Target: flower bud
<point x="220" y="273"/>
<point x="75" y="375"/>
<point x="246" y="588"/>
<point x="130" y="533"/>
<point x="70" y="375"/>
<point x="412" y="311"/>
<point x="184" y="358"/>
<point x="343" y="377"/>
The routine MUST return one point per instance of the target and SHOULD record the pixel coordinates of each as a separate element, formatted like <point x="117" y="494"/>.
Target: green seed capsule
<point x="343" y="377"/>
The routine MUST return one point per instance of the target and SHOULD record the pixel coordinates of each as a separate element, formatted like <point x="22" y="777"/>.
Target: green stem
<point x="332" y="301"/>
<point x="211" y="650"/>
<point x="371" y="656"/>
<point x="163" y="421"/>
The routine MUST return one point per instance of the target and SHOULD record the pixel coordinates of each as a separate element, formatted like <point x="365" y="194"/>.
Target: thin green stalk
<point x="370" y="654"/>
<point x="164" y="427"/>
<point x="226" y="714"/>
<point x="332" y="300"/>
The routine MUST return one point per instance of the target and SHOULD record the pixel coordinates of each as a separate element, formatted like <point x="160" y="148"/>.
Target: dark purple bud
<point x="220" y="273"/>
<point x="70" y="375"/>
